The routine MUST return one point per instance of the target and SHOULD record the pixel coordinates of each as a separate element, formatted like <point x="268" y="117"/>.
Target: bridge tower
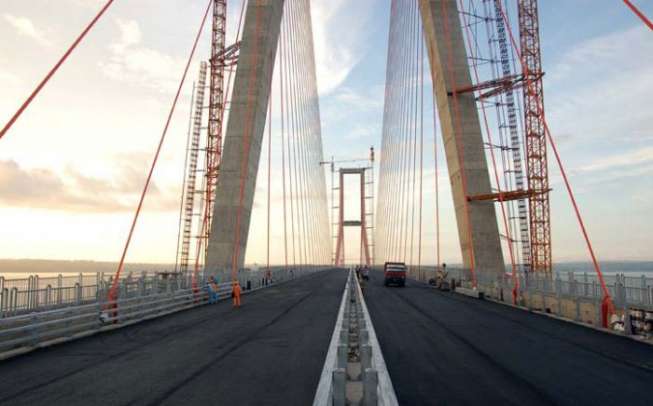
<point x="478" y="231"/>
<point x="364" y="223"/>
<point x="243" y="139"/>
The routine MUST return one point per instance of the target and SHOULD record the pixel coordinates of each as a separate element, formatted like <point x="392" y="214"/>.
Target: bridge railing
<point x="572" y="295"/>
<point x="37" y="293"/>
<point x="626" y="290"/>
<point x="34" y="293"/>
<point x="139" y="300"/>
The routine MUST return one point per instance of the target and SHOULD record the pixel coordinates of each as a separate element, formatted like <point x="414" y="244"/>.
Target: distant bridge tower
<point x="365" y="214"/>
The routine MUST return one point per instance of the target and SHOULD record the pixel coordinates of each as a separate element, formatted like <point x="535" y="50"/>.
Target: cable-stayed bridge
<point x="464" y="86"/>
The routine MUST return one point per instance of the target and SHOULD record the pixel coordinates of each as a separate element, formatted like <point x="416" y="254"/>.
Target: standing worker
<point x="235" y="293"/>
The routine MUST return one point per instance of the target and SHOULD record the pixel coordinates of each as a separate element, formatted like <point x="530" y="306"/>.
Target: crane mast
<point x="216" y="114"/>
<point x="536" y="145"/>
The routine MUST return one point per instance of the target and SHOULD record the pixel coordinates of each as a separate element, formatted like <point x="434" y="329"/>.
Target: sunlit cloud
<point x="599" y="88"/>
<point x="24" y="26"/>
<point x="132" y="62"/>
<point x="631" y="158"/>
<point x="74" y="191"/>
<point x="337" y="51"/>
<point x="8" y="79"/>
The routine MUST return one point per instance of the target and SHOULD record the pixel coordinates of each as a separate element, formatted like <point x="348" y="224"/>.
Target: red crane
<point x="216" y="110"/>
<point x="536" y="145"/>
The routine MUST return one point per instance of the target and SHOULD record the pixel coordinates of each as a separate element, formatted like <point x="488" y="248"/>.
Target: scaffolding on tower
<point x="515" y="139"/>
<point x="196" y="219"/>
<point x="189" y="190"/>
<point x="525" y="192"/>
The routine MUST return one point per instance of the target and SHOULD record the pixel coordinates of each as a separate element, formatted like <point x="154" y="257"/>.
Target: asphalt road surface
<point x="446" y="349"/>
<point x="269" y="352"/>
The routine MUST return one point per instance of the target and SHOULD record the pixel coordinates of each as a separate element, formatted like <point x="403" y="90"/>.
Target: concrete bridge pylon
<point x="244" y="135"/>
<point x="478" y="231"/>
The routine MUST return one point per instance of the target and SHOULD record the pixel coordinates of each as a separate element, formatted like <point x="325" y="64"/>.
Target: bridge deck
<point x="271" y="351"/>
<point x="443" y="348"/>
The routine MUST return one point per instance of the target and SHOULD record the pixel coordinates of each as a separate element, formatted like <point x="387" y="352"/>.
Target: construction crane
<point x="216" y="114"/>
<point x="536" y="146"/>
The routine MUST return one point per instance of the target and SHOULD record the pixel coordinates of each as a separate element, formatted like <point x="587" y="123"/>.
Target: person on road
<point x="235" y="293"/>
<point x="213" y="289"/>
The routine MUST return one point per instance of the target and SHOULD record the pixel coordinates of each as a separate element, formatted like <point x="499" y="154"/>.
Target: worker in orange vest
<point x="235" y="293"/>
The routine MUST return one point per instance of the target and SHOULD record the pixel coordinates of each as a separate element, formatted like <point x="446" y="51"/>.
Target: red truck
<point x="394" y="273"/>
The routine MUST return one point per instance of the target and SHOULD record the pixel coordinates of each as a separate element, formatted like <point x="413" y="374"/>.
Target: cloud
<point x="8" y="79"/>
<point x="132" y="62"/>
<point x="601" y="89"/>
<point x="43" y="188"/>
<point x="631" y="158"/>
<point x="337" y="51"/>
<point x="372" y="100"/>
<point x="130" y="34"/>
<point x="19" y="185"/>
<point x="24" y="26"/>
<point x="88" y="3"/>
<point x="363" y="132"/>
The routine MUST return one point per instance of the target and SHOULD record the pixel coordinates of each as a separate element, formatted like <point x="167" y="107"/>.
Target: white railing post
<point x="3" y="301"/>
<point x="59" y="288"/>
<point x="30" y="289"/>
<point x="620" y="292"/>
<point x="48" y="295"/>
<point x="78" y="293"/>
<point x="13" y="300"/>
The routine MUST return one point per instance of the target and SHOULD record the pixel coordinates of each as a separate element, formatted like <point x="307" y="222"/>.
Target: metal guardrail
<point x="26" y="332"/>
<point x="35" y="293"/>
<point x="625" y="290"/>
<point x="354" y="370"/>
<point x="324" y="392"/>
<point x="385" y="390"/>
<point x="568" y="295"/>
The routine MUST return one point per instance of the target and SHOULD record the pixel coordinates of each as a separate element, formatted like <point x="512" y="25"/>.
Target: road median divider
<point x="354" y="370"/>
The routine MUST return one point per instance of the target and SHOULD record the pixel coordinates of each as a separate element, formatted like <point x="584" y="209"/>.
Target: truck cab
<point x="394" y="273"/>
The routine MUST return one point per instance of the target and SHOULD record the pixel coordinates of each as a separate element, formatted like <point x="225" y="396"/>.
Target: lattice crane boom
<point x="216" y="113"/>
<point x="536" y="144"/>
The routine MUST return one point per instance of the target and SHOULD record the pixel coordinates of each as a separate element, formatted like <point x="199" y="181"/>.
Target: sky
<point x="72" y="167"/>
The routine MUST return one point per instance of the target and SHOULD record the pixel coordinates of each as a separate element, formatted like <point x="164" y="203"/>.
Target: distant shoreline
<point x="42" y="266"/>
